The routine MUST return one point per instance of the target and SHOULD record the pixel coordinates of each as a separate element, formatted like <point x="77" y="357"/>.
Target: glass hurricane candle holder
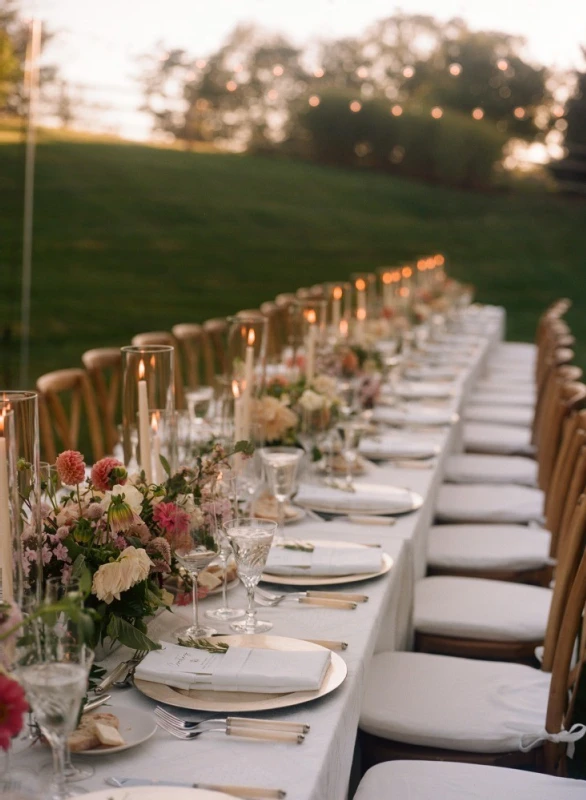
<point x="148" y="388"/>
<point x="25" y="488"/>
<point x="247" y="356"/>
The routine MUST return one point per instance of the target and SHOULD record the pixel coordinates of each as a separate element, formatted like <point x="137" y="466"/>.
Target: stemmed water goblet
<point x="195" y="552"/>
<point x="281" y="465"/>
<point x="351" y="431"/>
<point x="251" y="541"/>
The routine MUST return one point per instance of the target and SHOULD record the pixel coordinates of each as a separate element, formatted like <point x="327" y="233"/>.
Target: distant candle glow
<point x="406" y="272"/>
<point x="361" y="314"/>
<point x="314" y="101"/>
<point x="235" y="389"/>
<point x="396" y="111"/>
<point x="344" y="327"/>
<point x="437" y="112"/>
<point x="478" y="113"/>
<point x="141" y="370"/>
<point x="355" y="106"/>
<point x="155" y="422"/>
<point x="311" y="316"/>
<point x="455" y="69"/>
<point x="251" y="337"/>
<point x="360" y="284"/>
<point x="439" y="260"/>
<point x="387" y="277"/>
<point x="337" y="293"/>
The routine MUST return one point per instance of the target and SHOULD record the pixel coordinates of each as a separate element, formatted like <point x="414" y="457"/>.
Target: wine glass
<point x="194" y="553"/>
<point x="251" y="541"/>
<point x="54" y="674"/>
<point x="225" y="497"/>
<point x="351" y="431"/>
<point x="281" y="465"/>
<point x="57" y="589"/>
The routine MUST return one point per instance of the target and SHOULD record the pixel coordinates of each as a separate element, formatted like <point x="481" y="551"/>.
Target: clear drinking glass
<point x="55" y="681"/>
<point x="251" y="541"/>
<point x="194" y="555"/>
<point x="281" y="465"/>
<point x="351" y="431"/>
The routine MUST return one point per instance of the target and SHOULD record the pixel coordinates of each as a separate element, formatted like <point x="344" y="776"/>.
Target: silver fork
<point x="120" y="673"/>
<point x="299" y="597"/>
<point x="128" y="679"/>
<point x="245" y="722"/>
<point x="266" y="734"/>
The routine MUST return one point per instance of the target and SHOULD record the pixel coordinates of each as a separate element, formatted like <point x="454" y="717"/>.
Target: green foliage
<point x="121" y="630"/>
<point x="455" y="150"/>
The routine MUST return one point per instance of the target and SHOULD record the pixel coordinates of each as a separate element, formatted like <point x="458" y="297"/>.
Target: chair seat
<point x="501" y="396"/>
<point x="453" y="703"/>
<point x="486" y="502"/>
<point x="487" y="547"/>
<point x="484" y="437"/>
<point x="474" y="608"/>
<point x="445" y="780"/>
<point x="526" y="350"/>
<point x="479" y="468"/>
<point x="504" y="415"/>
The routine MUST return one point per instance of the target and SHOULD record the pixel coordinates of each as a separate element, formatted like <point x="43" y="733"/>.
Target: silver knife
<point x="248" y="792"/>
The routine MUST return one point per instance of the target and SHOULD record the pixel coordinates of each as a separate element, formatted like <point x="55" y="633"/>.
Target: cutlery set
<point x="245" y="727"/>
<point x="243" y="792"/>
<point x="338" y="600"/>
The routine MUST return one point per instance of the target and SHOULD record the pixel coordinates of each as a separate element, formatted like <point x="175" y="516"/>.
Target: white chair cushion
<point x="445" y="780"/>
<point x="505" y="415"/>
<point x="486" y="502"/>
<point x="453" y="703"/>
<point x="483" y="547"/>
<point x="525" y="349"/>
<point x="513" y="371"/>
<point x="479" y="468"/>
<point x="485" y="437"/>
<point x="474" y="608"/>
<point x="495" y="394"/>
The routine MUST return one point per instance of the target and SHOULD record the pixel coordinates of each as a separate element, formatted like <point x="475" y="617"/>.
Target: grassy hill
<point x="131" y="238"/>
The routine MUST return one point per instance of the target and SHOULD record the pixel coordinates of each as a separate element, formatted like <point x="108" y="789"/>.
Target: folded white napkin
<point x="423" y="372"/>
<point x="240" y="669"/>
<point x="338" y="501"/>
<point x="417" y="389"/>
<point x="324" y="560"/>
<point x="413" y="415"/>
<point x="397" y="446"/>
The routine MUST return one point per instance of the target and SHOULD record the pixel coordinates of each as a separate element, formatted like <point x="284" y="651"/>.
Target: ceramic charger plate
<point x="386" y="500"/>
<point x="156" y="793"/>
<point x="316" y="580"/>
<point x="240" y="702"/>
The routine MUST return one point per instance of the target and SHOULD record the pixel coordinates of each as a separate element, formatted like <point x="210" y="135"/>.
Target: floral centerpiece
<point x="117" y="534"/>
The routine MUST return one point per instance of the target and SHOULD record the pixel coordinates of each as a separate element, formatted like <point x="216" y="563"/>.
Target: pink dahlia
<point x="70" y="467"/>
<point x="171" y="518"/>
<point x="107" y="473"/>
<point x="13" y="707"/>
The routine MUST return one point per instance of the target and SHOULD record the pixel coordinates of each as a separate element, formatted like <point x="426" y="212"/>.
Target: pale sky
<point x="98" y="40"/>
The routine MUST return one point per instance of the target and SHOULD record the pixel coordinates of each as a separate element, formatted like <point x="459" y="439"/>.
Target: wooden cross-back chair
<point x="512" y="649"/>
<point x="285" y="303"/>
<point x="66" y="425"/>
<point x="104" y="366"/>
<point x="215" y="346"/>
<point x="564" y="626"/>
<point x="275" y="330"/>
<point x="165" y="338"/>
<point x="190" y="339"/>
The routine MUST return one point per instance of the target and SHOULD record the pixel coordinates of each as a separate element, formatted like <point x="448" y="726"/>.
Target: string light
<point x="362" y="72"/>
<point x="396" y="111"/>
<point x="355" y="106"/>
<point x="318" y="73"/>
<point x="519" y="112"/>
<point x="408" y="72"/>
<point x="455" y="69"/>
<point x="437" y="112"/>
<point x="231" y="86"/>
<point x="478" y="113"/>
<point x="314" y="101"/>
<point x="502" y="64"/>
<point x="558" y="111"/>
<point x="272" y="94"/>
<point x="238" y="68"/>
<point x="278" y="70"/>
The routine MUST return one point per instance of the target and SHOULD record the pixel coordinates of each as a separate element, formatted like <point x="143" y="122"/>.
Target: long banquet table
<point x="319" y="769"/>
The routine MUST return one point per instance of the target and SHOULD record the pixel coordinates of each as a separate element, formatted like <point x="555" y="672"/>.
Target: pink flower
<point x="171" y="518"/>
<point x="61" y="553"/>
<point x="107" y="473"/>
<point x="70" y="467"/>
<point x="13" y="707"/>
<point x="160" y="552"/>
<point x="62" y="532"/>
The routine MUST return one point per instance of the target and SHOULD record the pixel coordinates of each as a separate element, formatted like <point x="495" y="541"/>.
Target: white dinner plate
<point x="156" y="793"/>
<point x="420" y="390"/>
<point x="329" y="580"/>
<point x="415" y="415"/>
<point x="240" y="702"/>
<point x="136" y="726"/>
<point x="388" y="448"/>
<point x="386" y="500"/>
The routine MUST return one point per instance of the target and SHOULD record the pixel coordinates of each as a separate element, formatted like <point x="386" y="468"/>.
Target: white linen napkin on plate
<point x="338" y="501"/>
<point x="324" y="561"/>
<point x="240" y="669"/>
<point x="417" y="389"/>
<point x="413" y="415"/>
<point x="397" y="446"/>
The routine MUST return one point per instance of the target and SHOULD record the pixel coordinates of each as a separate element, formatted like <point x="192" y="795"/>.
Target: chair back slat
<point x="215" y="348"/>
<point x="566" y="397"/>
<point x="573" y="437"/>
<point x="54" y="419"/>
<point x="104" y="366"/>
<point x="190" y="337"/>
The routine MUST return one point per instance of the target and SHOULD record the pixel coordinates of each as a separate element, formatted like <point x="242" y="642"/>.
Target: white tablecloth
<point x="320" y="768"/>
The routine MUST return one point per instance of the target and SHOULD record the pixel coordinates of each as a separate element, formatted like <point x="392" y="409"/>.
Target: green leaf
<point x="166" y="465"/>
<point x="244" y="447"/>
<point x="121" y="630"/>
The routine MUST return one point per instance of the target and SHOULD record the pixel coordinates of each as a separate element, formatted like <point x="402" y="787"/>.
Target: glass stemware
<point x="351" y="431"/>
<point x="251" y="541"/>
<point x="281" y="465"/>
<point x="54" y="677"/>
<point x="193" y="555"/>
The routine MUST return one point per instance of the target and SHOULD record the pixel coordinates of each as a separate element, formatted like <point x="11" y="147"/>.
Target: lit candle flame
<point x="407" y="272"/>
<point x="344" y="327"/>
<point x="337" y="293"/>
<point x="2" y="415"/>
<point x="235" y="390"/>
<point x="361" y="314"/>
<point x="439" y="260"/>
<point x="387" y="277"/>
<point x="311" y="316"/>
<point x="155" y="422"/>
<point x="251" y="337"/>
<point x="141" y="370"/>
<point x="422" y="264"/>
<point x="360" y="284"/>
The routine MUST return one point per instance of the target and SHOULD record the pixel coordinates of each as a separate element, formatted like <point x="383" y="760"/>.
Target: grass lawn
<point x="131" y="238"/>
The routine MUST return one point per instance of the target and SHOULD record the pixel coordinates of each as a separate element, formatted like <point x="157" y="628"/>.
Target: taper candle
<point x="144" y="431"/>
